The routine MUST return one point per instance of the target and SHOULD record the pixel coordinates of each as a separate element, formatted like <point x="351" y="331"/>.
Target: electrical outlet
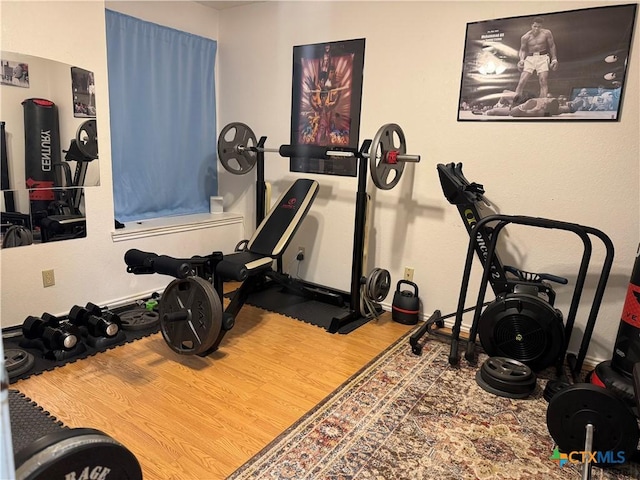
<point x="408" y="274"/>
<point x="48" y="278"/>
<point x="300" y="254"/>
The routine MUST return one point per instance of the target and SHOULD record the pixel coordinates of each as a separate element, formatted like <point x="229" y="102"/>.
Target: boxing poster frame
<point x="83" y="90"/>
<point x="14" y="73"/>
<point x="585" y="83"/>
<point x="326" y="103"/>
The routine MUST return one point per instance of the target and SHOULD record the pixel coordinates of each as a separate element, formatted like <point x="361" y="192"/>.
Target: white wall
<point x="91" y="269"/>
<point x="585" y="173"/>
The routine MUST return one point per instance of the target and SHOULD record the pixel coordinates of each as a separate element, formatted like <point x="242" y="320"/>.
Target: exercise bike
<point x="522" y="322"/>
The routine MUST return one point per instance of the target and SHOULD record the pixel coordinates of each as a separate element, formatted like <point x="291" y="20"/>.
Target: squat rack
<point x="385" y="158"/>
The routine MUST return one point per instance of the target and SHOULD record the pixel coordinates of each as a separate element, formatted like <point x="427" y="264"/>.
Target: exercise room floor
<point x="187" y="417"/>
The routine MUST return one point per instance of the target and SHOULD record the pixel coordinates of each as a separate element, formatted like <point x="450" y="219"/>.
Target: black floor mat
<point x="274" y="299"/>
<point x="29" y="421"/>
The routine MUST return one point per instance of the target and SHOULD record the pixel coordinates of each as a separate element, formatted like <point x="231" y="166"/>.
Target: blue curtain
<point x="163" y="120"/>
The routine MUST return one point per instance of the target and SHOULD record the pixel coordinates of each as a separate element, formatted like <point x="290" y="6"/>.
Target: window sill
<point x="168" y="225"/>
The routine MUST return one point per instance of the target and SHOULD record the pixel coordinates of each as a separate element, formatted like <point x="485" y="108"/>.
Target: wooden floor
<point x="188" y="417"/>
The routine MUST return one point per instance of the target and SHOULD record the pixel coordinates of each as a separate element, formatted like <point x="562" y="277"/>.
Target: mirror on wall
<point x="49" y="148"/>
<point x="31" y="217"/>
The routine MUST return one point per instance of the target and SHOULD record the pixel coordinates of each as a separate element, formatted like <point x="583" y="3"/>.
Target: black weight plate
<point x="18" y="361"/>
<point x="87" y="139"/>
<point x="571" y="409"/>
<point x="76" y="453"/>
<point x="552" y="387"/>
<point x="507" y="370"/>
<point x="506" y="377"/>
<point x="231" y="143"/>
<point x="139" y="319"/>
<point x="387" y="175"/>
<point x="197" y="300"/>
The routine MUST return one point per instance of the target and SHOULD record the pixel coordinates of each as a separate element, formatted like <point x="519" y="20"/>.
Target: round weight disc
<point x="76" y="453"/>
<point x="87" y="139"/>
<point x="231" y="143"/>
<point x="571" y="409"/>
<point x="18" y="361"/>
<point x="139" y="319"/>
<point x="197" y="302"/>
<point x="506" y="377"/>
<point x="389" y="137"/>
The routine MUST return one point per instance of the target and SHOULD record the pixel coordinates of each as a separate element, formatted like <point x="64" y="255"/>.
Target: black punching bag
<point x="627" y="347"/>
<point x="42" y="150"/>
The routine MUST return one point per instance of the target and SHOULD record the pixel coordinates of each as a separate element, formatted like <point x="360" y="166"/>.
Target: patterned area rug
<point x="416" y="417"/>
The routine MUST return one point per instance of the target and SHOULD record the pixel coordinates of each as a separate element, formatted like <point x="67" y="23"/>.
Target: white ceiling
<point x="224" y="5"/>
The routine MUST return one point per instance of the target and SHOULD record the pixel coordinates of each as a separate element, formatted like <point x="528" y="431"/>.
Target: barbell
<point x="238" y="148"/>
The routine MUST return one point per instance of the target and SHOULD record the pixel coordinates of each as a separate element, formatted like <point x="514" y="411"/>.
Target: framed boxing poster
<point x="14" y="73"/>
<point x="84" y="93"/>
<point x="569" y="65"/>
<point x="326" y="103"/>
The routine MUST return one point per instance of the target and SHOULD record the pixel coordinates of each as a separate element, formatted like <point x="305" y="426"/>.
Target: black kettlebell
<point x="406" y="304"/>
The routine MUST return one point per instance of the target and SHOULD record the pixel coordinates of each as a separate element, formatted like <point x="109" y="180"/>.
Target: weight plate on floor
<point x="190" y="315"/>
<point x="18" y="361"/>
<point x="87" y="139"/>
<point x="76" y="453"/>
<point x="506" y="377"/>
<point x="139" y="319"/>
<point x="571" y="409"/>
<point x="232" y="152"/>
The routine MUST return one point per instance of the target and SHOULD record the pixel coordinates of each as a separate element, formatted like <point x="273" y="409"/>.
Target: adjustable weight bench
<point x="191" y="315"/>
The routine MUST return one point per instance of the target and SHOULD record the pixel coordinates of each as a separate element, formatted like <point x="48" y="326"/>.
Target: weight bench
<point x="191" y="316"/>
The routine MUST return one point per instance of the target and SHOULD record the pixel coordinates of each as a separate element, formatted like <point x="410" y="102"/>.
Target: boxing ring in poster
<point x="569" y="65"/>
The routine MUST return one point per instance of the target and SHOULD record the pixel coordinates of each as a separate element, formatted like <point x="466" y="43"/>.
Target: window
<point x="163" y="123"/>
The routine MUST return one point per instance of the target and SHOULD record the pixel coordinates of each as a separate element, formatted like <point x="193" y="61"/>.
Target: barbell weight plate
<point x="18" y="361"/>
<point x="389" y="137"/>
<point x="507" y="370"/>
<point x="506" y="377"/>
<point x="232" y="137"/>
<point x="87" y="139"/>
<point x="139" y="319"/>
<point x="76" y="453"/>
<point x="571" y="409"/>
<point x="198" y="301"/>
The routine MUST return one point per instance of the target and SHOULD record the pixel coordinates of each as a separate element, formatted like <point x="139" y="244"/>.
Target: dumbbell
<point x="54" y="338"/>
<point x="105" y="313"/>
<point x="95" y="325"/>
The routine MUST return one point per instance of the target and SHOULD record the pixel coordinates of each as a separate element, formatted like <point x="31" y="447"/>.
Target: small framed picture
<point x="14" y="73"/>
<point x="326" y="103"/>
<point x="568" y="65"/>
<point x="84" y="93"/>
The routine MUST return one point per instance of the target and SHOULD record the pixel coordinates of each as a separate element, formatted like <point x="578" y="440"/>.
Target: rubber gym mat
<point x="13" y="341"/>
<point x="29" y="421"/>
<point x="274" y="299"/>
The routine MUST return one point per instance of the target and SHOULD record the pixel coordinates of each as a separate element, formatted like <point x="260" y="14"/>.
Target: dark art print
<point x="327" y="94"/>
<point x="556" y="66"/>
